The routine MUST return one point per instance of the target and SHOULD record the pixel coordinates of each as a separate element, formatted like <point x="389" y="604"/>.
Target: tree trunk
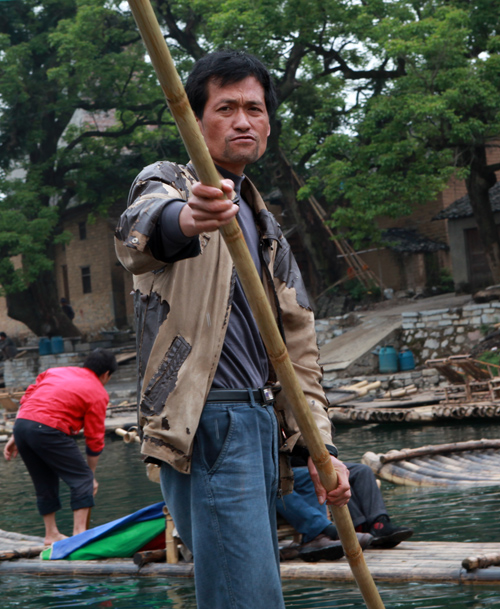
<point x="38" y="308"/>
<point x="478" y="183"/>
<point x="320" y="269"/>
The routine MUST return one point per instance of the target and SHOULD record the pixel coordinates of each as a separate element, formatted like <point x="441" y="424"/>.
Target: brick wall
<point x="98" y="308"/>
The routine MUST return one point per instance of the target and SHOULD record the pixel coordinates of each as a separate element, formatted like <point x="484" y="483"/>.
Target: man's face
<point x="235" y="123"/>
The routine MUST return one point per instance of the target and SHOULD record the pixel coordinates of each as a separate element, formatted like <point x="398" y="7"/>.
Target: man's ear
<point x="105" y="376"/>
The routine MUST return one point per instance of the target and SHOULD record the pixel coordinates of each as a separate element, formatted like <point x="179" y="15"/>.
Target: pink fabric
<point x="68" y="399"/>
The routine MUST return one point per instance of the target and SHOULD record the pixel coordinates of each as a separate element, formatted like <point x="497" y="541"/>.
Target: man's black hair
<point x="3" y="335"/>
<point x="101" y="361"/>
<point x="224" y="68"/>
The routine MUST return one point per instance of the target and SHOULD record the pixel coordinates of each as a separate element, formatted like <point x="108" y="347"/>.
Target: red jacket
<point x="68" y="399"/>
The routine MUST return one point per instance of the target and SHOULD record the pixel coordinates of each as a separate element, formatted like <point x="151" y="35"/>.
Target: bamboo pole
<point x="481" y="561"/>
<point x="410" y="453"/>
<point x="21" y="553"/>
<point x="254" y="291"/>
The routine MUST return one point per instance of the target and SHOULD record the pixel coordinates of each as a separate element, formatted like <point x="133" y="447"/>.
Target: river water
<point x="435" y="514"/>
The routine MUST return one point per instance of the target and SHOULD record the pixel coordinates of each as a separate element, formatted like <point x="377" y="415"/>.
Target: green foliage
<point x="490" y="357"/>
<point x="419" y="128"/>
<point x="81" y="113"/>
<point x="380" y="102"/>
<point x="446" y="283"/>
<point x="359" y="292"/>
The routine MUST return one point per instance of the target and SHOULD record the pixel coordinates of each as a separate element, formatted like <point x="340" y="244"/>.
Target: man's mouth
<point x="243" y="138"/>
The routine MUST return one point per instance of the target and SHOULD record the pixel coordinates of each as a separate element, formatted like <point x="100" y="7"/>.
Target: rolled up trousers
<point x="50" y="454"/>
<point x="225" y="509"/>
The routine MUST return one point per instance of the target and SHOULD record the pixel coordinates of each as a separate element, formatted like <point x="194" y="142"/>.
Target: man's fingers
<point x="340" y="495"/>
<point x="211" y="192"/>
<point x="318" y="487"/>
<point x="207" y="209"/>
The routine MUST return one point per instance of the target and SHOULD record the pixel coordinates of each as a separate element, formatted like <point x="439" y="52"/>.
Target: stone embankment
<point x="431" y="334"/>
<point x="445" y="332"/>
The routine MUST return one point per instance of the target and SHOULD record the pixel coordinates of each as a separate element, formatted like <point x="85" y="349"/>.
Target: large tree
<point x="61" y="57"/>
<point x="440" y="116"/>
<point x="75" y="93"/>
<point x="313" y="50"/>
<point x="379" y="103"/>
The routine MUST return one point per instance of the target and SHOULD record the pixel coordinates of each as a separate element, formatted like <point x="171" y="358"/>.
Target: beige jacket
<point x="182" y="308"/>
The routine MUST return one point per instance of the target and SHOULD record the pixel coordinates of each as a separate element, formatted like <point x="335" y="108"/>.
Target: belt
<point x="262" y="395"/>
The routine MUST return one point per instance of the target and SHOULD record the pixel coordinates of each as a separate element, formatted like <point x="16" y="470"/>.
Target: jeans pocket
<point x="214" y="436"/>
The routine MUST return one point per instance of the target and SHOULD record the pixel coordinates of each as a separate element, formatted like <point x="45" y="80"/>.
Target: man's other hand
<point x="10" y="451"/>
<point x="340" y="495"/>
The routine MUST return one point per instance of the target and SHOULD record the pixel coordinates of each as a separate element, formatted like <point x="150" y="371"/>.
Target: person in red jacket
<point x="53" y="410"/>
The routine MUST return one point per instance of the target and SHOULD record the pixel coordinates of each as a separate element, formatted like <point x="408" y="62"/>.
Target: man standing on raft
<point x="206" y="406"/>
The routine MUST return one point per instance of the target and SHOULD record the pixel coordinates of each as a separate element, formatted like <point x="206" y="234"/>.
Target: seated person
<point x="8" y="349"/>
<point x="319" y="535"/>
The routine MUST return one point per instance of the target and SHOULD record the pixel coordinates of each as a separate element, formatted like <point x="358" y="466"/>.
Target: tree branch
<point x="186" y="38"/>
<point x="332" y="55"/>
<point x="112" y="134"/>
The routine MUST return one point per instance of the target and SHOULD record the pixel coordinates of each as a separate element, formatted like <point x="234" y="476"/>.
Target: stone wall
<point x="19" y="373"/>
<point x="428" y="334"/>
<point x="445" y="332"/>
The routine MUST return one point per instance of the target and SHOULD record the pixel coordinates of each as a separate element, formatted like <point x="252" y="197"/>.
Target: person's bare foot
<point x="48" y="541"/>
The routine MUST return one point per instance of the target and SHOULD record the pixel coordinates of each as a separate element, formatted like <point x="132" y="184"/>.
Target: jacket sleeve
<point x="94" y="424"/>
<point x="138" y="234"/>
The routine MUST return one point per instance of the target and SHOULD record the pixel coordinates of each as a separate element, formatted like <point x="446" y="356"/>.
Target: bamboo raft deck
<point x="437" y="562"/>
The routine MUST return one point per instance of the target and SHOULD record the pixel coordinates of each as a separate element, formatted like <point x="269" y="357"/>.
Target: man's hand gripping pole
<point x="254" y="291"/>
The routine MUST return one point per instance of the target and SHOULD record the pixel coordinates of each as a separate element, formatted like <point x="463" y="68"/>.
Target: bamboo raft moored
<point x="474" y="463"/>
<point x="364" y="413"/>
<point x="409" y="562"/>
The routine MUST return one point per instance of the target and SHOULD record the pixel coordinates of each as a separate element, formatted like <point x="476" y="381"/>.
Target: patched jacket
<point x="182" y="309"/>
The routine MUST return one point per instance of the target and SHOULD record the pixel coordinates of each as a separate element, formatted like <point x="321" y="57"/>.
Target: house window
<point x="82" y="230"/>
<point x="86" y="284"/>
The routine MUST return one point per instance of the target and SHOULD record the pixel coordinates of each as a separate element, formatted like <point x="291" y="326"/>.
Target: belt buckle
<point x="267" y="394"/>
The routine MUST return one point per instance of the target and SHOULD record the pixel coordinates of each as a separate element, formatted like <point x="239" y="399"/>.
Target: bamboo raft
<point x="409" y="562"/>
<point x="407" y="412"/>
<point x="474" y="463"/>
<point x="472" y="392"/>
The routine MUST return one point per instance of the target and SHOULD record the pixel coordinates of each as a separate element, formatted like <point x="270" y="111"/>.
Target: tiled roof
<point x="461" y="208"/>
<point x="409" y="240"/>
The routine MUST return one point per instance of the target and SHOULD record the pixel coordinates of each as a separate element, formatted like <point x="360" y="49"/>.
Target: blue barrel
<point x="44" y="346"/>
<point x="387" y="360"/>
<point x="57" y="344"/>
<point x="406" y="360"/>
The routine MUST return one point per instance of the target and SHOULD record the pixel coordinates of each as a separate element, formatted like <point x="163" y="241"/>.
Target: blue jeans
<point x="225" y="510"/>
<point x="303" y="511"/>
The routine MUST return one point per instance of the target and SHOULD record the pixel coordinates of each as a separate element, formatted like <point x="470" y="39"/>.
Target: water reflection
<point x="114" y="593"/>
<point x="436" y="515"/>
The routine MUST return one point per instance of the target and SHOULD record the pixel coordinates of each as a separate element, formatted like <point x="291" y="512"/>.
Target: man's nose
<point x="241" y="120"/>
